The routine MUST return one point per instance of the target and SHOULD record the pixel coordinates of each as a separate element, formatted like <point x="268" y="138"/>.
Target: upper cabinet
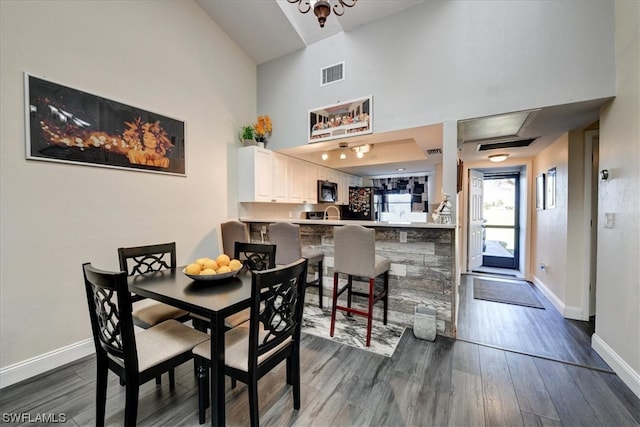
<point x="267" y="176"/>
<point x="255" y="174"/>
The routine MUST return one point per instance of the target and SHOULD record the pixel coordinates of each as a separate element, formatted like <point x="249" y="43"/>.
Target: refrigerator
<point x="364" y="204"/>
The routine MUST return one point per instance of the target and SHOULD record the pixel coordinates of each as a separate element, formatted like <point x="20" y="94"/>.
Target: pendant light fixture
<point x="343" y="145"/>
<point x="322" y="8"/>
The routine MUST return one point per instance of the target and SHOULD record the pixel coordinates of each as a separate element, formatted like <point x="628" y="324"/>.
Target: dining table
<point x="213" y="299"/>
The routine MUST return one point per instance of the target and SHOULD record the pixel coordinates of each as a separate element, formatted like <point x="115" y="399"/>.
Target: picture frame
<point x="550" y="182"/>
<point x="540" y="190"/>
<point x="67" y="125"/>
<point x="341" y="120"/>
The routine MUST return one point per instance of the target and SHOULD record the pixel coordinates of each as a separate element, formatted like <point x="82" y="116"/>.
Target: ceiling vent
<point x="434" y="151"/>
<point x="507" y="144"/>
<point x="332" y="74"/>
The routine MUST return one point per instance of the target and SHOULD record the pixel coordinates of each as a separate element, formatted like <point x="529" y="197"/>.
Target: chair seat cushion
<point x="147" y="312"/>
<point x="236" y="347"/>
<point x="163" y="342"/>
<point x="313" y="255"/>
<point x="229" y="321"/>
<point x="382" y="264"/>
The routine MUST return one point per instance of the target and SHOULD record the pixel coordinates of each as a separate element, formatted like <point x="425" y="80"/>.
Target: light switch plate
<point x="609" y="220"/>
<point x="403" y="237"/>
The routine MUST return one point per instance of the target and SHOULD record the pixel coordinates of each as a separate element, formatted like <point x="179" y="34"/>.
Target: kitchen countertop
<point x="345" y="222"/>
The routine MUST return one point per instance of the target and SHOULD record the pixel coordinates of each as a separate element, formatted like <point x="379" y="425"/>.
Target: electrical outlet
<point x="264" y="229"/>
<point x="609" y="220"/>
<point x="403" y="237"/>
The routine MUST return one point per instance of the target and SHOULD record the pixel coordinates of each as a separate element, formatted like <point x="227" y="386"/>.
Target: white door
<point x="476" y="222"/>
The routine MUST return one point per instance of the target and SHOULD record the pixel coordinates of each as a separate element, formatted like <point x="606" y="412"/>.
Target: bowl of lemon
<point x="210" y="269"/>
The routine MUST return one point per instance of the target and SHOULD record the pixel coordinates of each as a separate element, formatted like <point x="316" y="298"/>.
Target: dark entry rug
<point x="517" y="293"/>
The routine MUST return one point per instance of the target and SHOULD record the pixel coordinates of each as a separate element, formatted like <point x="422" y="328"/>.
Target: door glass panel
<point x="500" y="213"/>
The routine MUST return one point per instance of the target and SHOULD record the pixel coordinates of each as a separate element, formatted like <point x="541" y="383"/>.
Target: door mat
<point x="517" y="293"/>
<point x="352" y="331"/>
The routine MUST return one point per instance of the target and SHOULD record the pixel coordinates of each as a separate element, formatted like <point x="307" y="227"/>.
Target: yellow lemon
<point x="207" y="271"/>
<point x="223" y="260"/>
<point x="210" y="263"/>
<point x="201" y="261"/>
<point x="234" y="265"/>
<point x="192" y="269"/>
<point x="223" y="269"/>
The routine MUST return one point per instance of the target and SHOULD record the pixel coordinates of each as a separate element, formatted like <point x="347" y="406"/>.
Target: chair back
<point x="354" y="248"/>
<point x="109" y="303"/>
<point x="145" y="259"/>
<point x="277" y="303"/>
<point x="255" y="256"/>
<point x="232" y="232"/>
<point x="286" y="237"/>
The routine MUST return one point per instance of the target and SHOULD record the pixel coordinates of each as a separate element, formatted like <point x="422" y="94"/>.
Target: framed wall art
<point x="341" y="120"/>
<point x="71" y="126"/>
<point x="550" y="197"/>
<point x="540" y="190"/>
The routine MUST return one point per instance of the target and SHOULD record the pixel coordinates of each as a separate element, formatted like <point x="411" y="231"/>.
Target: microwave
<point x="327" y="192"/>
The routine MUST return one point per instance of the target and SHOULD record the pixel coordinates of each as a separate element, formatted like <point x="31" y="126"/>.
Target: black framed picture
<point x="341" y="120"/>
<point x="540" y="190"/>
<point x="71" y="126"/>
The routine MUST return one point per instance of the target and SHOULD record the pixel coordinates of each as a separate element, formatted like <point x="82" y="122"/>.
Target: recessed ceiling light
<point x="325" y="156"/>
<point x="498" y="157"/>
<point x="400" y="169"/>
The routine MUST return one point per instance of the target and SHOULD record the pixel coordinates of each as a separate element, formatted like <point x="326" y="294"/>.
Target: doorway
<point x="500" y="213"/>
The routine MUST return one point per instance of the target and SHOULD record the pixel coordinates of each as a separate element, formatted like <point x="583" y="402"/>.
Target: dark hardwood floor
<point x="446" y="382"/>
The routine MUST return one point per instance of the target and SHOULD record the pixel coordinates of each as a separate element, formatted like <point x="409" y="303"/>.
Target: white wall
<point x="451" y="60"/>
<point x="617" y="337"/>
<point x="167" y="57"/>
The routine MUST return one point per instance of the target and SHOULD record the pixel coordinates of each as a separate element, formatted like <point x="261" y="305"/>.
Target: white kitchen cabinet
<point x="280" y="178"/>
<point x="255" y="174"/>
<point x="310" y="183"/>
<point x="296" y="180"/>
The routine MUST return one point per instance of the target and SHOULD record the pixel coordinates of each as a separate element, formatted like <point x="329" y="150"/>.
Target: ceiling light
<point x="498" y="157"/>
<point x="360" y="150"/>
<point x="343" y="145"/>
<point x="359" y="154"/>
<point x="325" y="156"/>
<point x="322" y="8"/>
<point x="400" y="169"/>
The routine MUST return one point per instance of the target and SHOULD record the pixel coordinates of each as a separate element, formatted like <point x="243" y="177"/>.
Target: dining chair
<point x="272" y="336"/>
<point x="135" y="358"/>
<point x="254" y="257"/>
<point x="232" y="232"/>
<point x="144" y="259"/>
<point x="354" y="249"/>
<point x="286" y="236"/>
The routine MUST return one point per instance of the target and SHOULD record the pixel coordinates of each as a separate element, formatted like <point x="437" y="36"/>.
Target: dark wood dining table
<point x="212" y="299"/>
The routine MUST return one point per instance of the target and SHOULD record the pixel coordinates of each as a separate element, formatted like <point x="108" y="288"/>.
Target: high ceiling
<point x="283" y="30"/>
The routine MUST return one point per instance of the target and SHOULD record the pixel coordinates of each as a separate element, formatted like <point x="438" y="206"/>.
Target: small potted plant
<point x="246" y="135"/>
<point x="262" y="129"/>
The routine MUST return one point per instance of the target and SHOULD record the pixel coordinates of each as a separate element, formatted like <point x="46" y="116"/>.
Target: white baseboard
<point x="555" y="301"/>
<point x="45" y="362"/>
<point x="630" y="377"/>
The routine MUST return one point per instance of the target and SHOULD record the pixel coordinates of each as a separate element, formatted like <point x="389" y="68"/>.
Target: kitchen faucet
<point x="326" y="211"/>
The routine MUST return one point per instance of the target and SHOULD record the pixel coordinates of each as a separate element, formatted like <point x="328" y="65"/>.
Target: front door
<point x="500" y="210"/>
<point x="476" y="220"/>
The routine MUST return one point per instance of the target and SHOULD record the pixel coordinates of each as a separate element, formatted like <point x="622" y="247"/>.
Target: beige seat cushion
<point x="152" y="312"/>
<point x="164" y="341"/>
<point x="382" y="264"/>
<point x="313" y="255"/>
<point x="230" y="321"/>
<point x="236" y="345"/>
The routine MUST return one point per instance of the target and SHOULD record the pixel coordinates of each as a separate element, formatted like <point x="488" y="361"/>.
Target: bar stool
<point x="286" y="237"/>
<point x="232" y="232"/>
<point x="355" y="255"/>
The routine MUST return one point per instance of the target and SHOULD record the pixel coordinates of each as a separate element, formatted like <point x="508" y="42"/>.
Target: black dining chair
<point x="272" y="336"/>
<point x="135" y="358"/>
<point x="145" y="259"/>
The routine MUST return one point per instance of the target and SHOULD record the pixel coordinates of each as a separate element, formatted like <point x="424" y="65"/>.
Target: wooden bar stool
<point x="286" y="237"/>
<point x="355" y="255"/>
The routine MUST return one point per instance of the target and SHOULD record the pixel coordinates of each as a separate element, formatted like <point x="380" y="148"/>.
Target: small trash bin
<point x="424" y="323"/>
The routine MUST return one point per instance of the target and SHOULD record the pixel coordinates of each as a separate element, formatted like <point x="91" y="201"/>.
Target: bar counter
<point x="422" y="259"/>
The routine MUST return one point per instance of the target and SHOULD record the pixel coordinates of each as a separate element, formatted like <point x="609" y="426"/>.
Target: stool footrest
<point x="352" y="310"/>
